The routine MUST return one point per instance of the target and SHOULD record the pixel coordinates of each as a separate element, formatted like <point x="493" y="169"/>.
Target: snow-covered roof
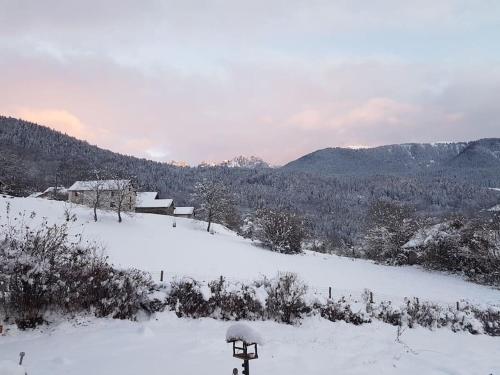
<point x="103" y="185"/>
<point x="156" y="203"/>
<point x="35" y="195"/>
<point x="60" y="189"/>
<point x="183" y="210"/>
<point x="145" y="196"/>
<point x="243" y="332"/>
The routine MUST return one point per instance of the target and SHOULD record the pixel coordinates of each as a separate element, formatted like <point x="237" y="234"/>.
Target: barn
<point x="148" y="202"/>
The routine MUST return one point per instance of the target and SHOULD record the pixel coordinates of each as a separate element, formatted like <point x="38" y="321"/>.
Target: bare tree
<point x="122" y="197"/>
<point x="97" y="187"/>
<point x="214" y="200"/>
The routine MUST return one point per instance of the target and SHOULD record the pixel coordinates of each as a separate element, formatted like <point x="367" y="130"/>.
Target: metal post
<point x="246" y="367"/>
<point x="21" y="356"/>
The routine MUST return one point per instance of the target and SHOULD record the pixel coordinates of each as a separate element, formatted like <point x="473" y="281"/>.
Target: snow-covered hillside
<point x="184" y="346"/>
<point x="151" y="243"/>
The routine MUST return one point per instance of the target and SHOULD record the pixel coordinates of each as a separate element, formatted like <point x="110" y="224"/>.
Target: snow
<point x="151" y="243"/>
<point x="183" y="210"/>
<point x="103" y="185"/>
<point x="11" y="368"/>
<point x="243" y="332"/>
<point x="167" y="344"/>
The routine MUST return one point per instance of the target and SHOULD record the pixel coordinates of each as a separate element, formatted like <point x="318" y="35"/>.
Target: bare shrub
<point x="186" y="299"/>
<point x="285" y="302"/>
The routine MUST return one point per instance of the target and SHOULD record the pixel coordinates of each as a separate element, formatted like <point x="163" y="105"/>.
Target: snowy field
<point x="168" y="345"/>
<point x="187" y="347"/>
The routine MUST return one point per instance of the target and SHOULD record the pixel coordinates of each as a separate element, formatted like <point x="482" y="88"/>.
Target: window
<point x="111" y="204"/>
<point x="112" y="193"/>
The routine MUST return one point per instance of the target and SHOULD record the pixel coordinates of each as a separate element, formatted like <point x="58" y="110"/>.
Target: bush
<point x="42" y="270"/>
<point x="186" y="299"/>
<point x="237" y="303"/>
<point x="285" y="302"/>
<point x="341" y="310"/>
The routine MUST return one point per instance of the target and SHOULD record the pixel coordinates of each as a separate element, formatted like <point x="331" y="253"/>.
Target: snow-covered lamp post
<point x="245" y="341"/>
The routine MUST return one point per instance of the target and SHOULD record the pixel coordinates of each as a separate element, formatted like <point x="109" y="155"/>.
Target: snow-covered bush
<point x="46" y="270"/>
<point x="234" y="301"/>
<point x="490" y="320"/>
<point x="120" y="294"/>
<point x="285" y="302"/>
<point x="186" y="299"/>
<point x="470" y="247"/>
<point x="341" y="310"/>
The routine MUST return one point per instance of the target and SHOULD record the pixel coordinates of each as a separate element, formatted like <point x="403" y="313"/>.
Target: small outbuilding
<point x="59" y="193"/>
<point x="187" y="212"/>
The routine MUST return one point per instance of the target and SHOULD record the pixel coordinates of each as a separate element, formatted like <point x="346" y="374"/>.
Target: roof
<point x="60" y="189"/>
<point x="149" y="199"/>
<point x="145" y="196"/>
<point x="243" y="332"/>
<point x="90" y="185"/>
<point x="156" y="203"/>
<point x="183" y="210"/>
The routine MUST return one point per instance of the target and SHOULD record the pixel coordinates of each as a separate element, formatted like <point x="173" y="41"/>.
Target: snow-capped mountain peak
<point x="250" y="162"/>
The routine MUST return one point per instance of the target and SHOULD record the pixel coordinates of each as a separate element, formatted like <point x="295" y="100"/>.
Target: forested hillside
<point x="405" y="159"/>
<point x="33" y="157"/>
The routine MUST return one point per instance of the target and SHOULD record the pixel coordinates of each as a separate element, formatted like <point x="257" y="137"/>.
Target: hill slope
<point x="151" y="243"/>
<point x="404" y="159"/>
<point x="165" y="343"/>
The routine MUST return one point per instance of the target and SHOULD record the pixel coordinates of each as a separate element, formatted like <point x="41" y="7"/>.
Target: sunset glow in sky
<point x="209" y="80"/>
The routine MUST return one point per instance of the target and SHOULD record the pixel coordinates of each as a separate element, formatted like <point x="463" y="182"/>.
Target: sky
<point x="209" y="80"/>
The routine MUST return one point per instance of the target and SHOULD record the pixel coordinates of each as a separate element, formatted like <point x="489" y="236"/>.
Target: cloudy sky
<point x="208" y="80"/>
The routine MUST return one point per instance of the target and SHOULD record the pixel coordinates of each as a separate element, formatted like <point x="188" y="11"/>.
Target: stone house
<point x="110" y="192"/>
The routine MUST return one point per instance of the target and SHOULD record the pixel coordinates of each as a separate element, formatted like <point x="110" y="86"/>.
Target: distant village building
<point x="187" y="212"/>
<point x="148" y="202"/>
<point x="109" y="191"/>
<point x="59" y="193"/>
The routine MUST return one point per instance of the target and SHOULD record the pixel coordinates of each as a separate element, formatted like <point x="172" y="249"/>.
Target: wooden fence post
<point x="330" y="292"/>
<point x="161" y="275"/>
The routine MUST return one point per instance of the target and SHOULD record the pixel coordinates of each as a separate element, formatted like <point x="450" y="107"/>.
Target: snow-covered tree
<point x="214" y="200"/>
<point x="279" y="230"/>
<point x="390" y="226"/>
